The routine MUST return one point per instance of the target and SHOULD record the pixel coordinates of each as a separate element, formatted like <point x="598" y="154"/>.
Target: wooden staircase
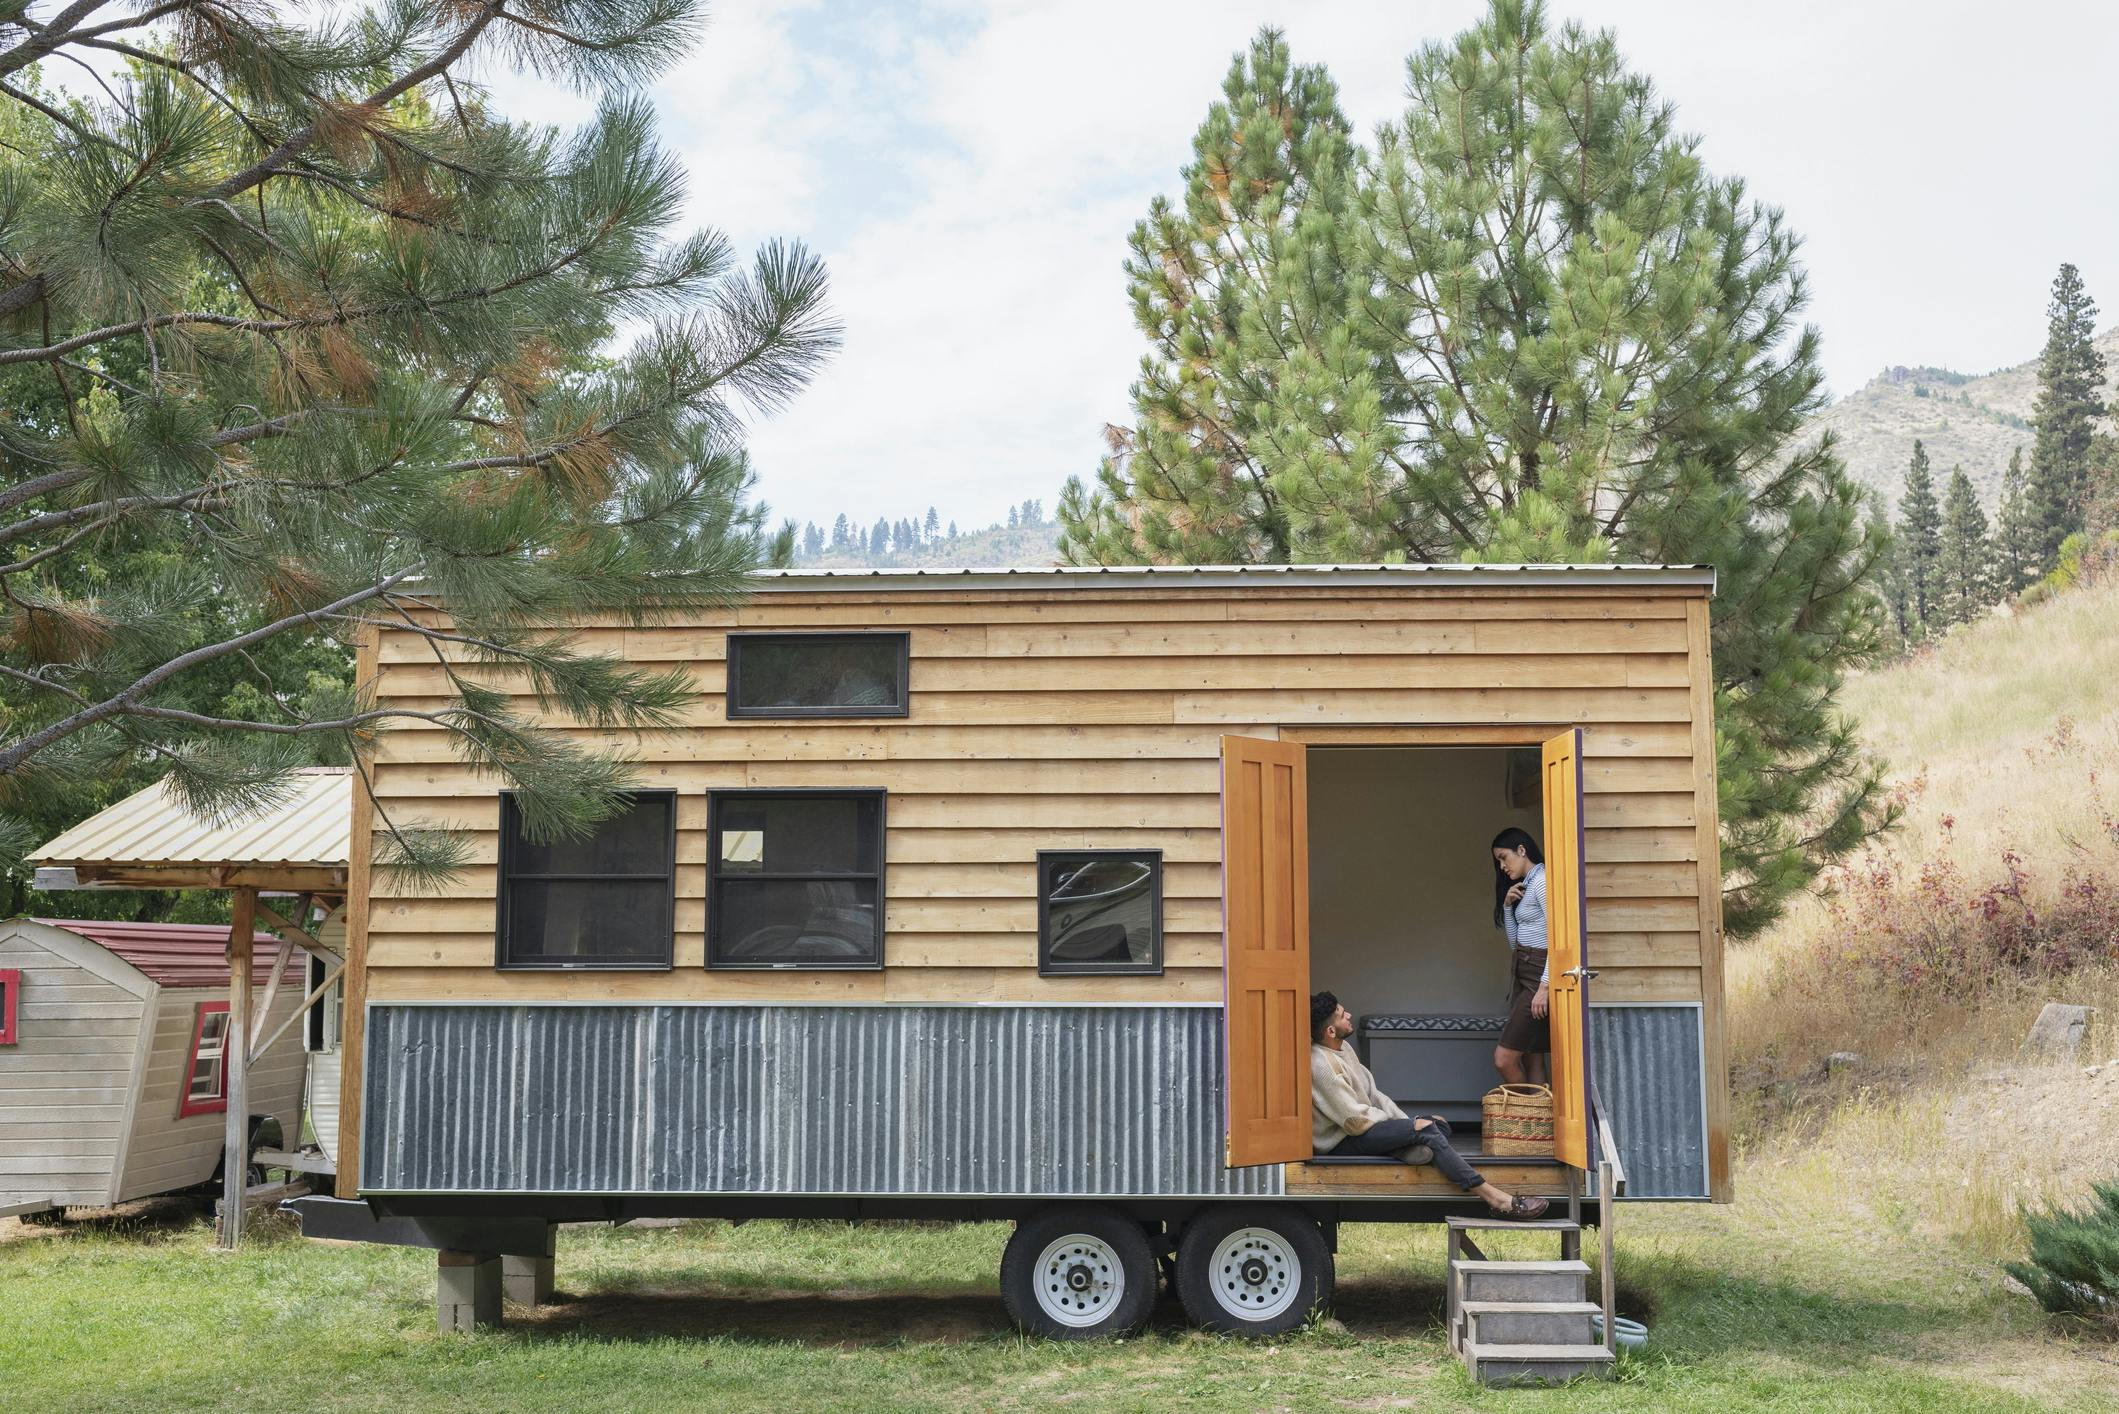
<point x="1523" y="1322"/>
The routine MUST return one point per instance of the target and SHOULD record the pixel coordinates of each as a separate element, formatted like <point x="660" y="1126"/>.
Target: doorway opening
<point x="1402" y="910"/>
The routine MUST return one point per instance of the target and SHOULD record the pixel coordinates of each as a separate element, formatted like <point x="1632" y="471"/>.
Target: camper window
<point x="206" y="1077"/>
<point x="796" y="878"/>
<point x="818" y="674"/>
<point x="10" y="996"/>
<point x="608" y="900"/>
<point x="1099" y="910"/>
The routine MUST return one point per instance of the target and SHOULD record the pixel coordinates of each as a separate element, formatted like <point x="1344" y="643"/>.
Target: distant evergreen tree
<point x="1891" y="581"/>
<point x="2070" y="400"/>
<point x="1965" y="566"/>
<point x="1011" y="517"/>
<point x="841" y="533"/>
<point x="879" y="538"/>
<point x="812" y="541"/>
<point x="952" y="530"/>
<point x="2016" y="537"/>
<point x="934" y="524"/>
<point x="1919" y="541"/>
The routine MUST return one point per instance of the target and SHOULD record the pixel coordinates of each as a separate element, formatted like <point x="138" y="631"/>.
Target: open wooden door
<point x="1563" y="924"/>
<point x="1265" y="901"/>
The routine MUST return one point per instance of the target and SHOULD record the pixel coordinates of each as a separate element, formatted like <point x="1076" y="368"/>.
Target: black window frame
<point x="1153" y="967"/>
<point x="718" y="800"/>
<point x="506" y="874"/>
<point x="733" y="652"/>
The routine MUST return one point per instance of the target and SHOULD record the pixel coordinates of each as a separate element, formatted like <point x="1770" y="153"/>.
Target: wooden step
<point x="1535" y="1364"/>
<point x="1515" y="1323"/>
<point x="1481" y="1280"/>
<point x="1503" y="1224"/>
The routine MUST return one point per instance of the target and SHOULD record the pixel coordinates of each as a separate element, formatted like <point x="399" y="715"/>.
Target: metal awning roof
<point x="1224" y="576"/>
<point x="174" y="954"/>
<point x="149" y="840"/>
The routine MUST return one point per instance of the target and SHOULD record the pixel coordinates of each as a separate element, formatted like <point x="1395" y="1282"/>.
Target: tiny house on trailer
<point x="113" y="1049"/>
<point x="1001" y="895"/>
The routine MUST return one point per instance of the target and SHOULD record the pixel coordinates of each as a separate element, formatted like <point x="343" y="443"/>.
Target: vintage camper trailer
<point x="113" y="1074"/>
<point x="1000" y="894"/>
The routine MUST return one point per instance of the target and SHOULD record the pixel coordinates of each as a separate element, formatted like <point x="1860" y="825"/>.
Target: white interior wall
<point x="1401" y="883"/>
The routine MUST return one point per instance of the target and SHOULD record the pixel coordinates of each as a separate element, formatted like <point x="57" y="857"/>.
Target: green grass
<point x="1752" y="1308"/>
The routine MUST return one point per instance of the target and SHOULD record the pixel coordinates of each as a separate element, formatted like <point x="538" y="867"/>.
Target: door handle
<point x="1580" y="974"/>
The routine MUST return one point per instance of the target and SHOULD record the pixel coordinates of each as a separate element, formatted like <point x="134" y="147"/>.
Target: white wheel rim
<point x="1256" y="1274"/>
<point x="1079" y="1280"/>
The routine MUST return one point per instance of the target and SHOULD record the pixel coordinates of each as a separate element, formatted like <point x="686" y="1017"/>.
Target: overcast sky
<point x="970" y="169"/>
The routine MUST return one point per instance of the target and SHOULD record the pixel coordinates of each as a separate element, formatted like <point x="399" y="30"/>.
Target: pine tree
<point x="1891" y="582"/>
<point x="2017" y="539"/>
<point x="934" y="524"/>
<point x="1919" y="543"/>
<point x="812" y="541"/>
<point x="309" y="308"/>
<point x="879" y="538"/>
<point x="1011" y="518"/>
<point x="1528" y="325"/>
<point x="2070" y="400"/>
<point x="841" y="533"/>
<point x="952" y="530"/>
<point x="1964" y="567"/>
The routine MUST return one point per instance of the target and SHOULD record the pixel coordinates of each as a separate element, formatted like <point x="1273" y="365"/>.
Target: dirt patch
<point x="2048" y="1125"/>
<point x="141" y="1217"/>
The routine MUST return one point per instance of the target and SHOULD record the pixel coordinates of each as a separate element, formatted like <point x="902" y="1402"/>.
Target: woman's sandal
<point x="1523" y="1208"/>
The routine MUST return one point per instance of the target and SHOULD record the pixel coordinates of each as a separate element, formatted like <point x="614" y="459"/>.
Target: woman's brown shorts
<point x="1524" y="1032"/>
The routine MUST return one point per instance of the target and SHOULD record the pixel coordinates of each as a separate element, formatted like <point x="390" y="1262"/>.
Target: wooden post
<point x="1606" y="1187"/>
<point x="235" y="1070"/>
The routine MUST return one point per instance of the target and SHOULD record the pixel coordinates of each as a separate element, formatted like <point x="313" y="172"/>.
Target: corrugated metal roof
<point x="175" y="954"/>
<point x="313" y="826"/>
<point x="1223" y="576"/>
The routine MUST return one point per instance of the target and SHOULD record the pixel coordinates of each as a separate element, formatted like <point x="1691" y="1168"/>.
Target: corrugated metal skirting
<point x="827" y="1100"/>
<point x="1647" y="1067"/>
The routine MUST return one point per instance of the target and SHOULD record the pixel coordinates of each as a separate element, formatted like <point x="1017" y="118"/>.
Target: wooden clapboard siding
<point x="1084" y="716"/>
<point x="64" y="1083"/>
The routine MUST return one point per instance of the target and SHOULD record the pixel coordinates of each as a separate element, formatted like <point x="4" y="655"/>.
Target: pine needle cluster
<point x="288" y="295"/>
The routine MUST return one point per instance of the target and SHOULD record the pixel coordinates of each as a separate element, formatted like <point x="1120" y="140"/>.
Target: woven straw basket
<point x="1517" y="1119"/>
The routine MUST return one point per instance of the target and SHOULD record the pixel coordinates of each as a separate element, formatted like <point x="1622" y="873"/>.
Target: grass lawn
<point x="1753" y="1307"/>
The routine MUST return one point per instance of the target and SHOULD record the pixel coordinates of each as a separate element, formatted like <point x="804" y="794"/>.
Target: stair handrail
<point x="1607" y="1146"/>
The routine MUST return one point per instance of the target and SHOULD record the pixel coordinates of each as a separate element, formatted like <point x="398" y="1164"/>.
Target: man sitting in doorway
<point x="1351" y="1117"/>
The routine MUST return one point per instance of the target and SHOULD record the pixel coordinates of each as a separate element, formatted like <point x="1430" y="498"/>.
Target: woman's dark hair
<point x="1322" y="1005"/>
<point x="1510" y="838"/>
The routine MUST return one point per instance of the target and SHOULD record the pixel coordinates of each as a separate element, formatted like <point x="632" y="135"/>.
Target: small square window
<point x="795" y="879"/>
<point x="818" y="674"/>
<point x="206" y="1076"/>
<point x="10" y="1000"/>
<point x="605" y="901"/>
<point x="1099" y="911"/>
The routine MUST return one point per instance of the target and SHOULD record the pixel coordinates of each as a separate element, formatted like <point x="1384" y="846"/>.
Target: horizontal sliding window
<point x="1099" y="911"/>
<point x="605" y="900"/>
<point x="795" y="879"/>
<point x="818" y="674"/>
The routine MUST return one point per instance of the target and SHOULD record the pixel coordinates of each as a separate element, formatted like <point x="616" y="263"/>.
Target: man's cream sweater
<point x="1343" y="1097"/>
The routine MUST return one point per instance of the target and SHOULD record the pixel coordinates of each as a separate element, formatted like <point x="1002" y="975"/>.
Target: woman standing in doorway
<point x="1519" y="910"/>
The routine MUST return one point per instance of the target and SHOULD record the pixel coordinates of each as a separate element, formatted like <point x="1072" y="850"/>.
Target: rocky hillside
<point x="1968" y="420"/>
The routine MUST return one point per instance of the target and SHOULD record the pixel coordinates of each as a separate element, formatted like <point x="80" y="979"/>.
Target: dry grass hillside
<point x="1970" y="421"/>
<point x="1999" y="892"/>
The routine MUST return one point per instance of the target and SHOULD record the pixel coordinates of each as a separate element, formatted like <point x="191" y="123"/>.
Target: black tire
<point x="1078" y="1272"/>
<point x="1253" y="1269"/>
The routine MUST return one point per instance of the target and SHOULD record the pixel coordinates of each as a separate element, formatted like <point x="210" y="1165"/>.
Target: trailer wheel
<point x="1075" y="1273"/>
<point x="1252" y="1269"/>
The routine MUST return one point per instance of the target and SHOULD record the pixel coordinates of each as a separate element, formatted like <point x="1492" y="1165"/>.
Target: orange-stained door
<point x="1563" y="925"/>
<point x="1265" y="901"/>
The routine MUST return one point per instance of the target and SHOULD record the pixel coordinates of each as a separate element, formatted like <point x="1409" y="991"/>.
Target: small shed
<point x="285" y="868"/>
<point x="113" y="1059"/>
